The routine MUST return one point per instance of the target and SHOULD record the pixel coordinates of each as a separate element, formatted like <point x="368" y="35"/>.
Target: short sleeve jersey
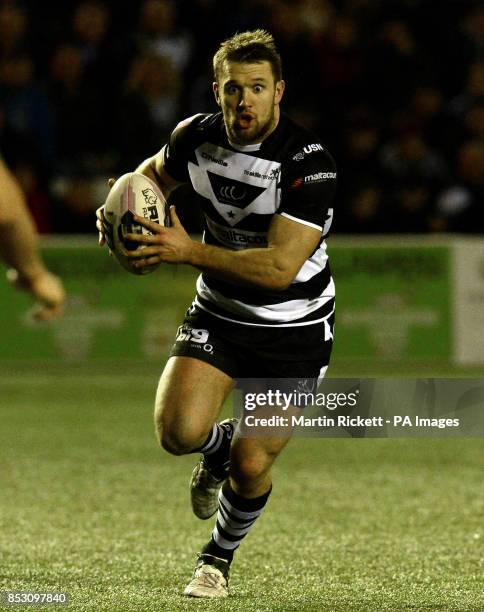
<point x="290" y="173"/>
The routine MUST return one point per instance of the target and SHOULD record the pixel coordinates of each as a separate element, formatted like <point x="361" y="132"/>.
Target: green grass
<point x="89" y="505"/>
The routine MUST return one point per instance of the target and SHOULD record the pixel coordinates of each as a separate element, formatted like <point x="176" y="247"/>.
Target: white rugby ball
<point x="133" y="193"/>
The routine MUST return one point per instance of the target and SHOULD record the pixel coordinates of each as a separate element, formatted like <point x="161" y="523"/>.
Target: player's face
<point x="249" y="99"/>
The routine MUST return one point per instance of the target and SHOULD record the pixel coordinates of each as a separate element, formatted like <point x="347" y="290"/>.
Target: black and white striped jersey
<point x="242" y="187"/>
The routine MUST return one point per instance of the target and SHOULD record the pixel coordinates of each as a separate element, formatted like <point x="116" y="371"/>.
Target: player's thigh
<point x="190" y="396"/>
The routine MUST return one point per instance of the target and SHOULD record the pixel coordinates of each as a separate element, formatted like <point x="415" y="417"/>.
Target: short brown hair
<point x="249" y="47"/>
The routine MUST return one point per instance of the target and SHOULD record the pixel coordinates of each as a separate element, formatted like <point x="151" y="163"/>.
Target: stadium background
<point x="88" y="505"/>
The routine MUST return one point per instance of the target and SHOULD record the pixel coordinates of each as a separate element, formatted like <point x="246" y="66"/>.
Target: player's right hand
<point x="100" y="221"/>
<point x="100" y="226"/>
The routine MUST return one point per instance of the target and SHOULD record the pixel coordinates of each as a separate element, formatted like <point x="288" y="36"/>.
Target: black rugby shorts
<point x="245" y="351"/>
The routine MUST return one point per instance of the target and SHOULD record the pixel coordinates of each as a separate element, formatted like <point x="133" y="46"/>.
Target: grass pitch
<point x="89" y="505"/>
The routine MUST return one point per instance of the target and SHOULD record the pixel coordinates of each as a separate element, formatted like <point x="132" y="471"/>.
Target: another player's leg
<point x="241" y="501"/>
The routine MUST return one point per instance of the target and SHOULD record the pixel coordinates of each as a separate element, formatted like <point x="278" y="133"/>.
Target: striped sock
<point x="235" y="517"/>
<point x="216" y="449"/>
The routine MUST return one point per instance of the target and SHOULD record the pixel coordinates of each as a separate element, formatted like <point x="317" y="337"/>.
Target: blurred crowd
<point x="395" y="88"/>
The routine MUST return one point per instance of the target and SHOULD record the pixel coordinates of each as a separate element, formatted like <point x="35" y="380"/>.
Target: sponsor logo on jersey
<point x="307" y="150"/>
<point x="213" y="159"/>
<point x="196" y="337"/>
<point x="248" y="185"/>
<point x="312" y="148"/>
<point x="271" y="177"/>
<point x="319" y="177"/>
<point x="298" y="182"/>
<point x="306" y="385"/>
<point x="233" y="193"/>
<point x="235" y="238"/>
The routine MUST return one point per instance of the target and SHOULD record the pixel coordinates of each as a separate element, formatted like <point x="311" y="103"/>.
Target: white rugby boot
<point x="210" y="579"/>
<point x="205" y="486"/>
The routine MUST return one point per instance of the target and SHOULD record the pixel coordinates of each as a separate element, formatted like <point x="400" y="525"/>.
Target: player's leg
<point x="241" y="501"/>
<point x="190" y="396"/>
<point x="244" y="494"/>
<point x="251" y="462"/>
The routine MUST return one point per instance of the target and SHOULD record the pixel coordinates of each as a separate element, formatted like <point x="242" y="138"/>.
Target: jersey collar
<point x="246" y="148"/>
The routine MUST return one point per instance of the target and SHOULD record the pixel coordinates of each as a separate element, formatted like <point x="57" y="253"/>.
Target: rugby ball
<point x="133" y="193"/>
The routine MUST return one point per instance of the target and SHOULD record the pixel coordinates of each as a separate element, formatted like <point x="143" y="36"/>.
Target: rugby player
<point x="19" y="250"/>
<point x="264" y="305"/>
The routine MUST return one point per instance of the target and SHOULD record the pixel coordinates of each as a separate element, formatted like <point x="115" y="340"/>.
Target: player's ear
<point x="216" y="92"/>
<point x="280" y="86"/>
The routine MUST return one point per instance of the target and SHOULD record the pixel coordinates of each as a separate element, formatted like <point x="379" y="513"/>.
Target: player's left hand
<point x="167" y="244"/>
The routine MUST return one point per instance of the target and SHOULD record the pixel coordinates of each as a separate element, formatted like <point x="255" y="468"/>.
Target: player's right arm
<point x="19" y="249"/>
<point x="168" y="168"/>
<point x="155" y="168"/>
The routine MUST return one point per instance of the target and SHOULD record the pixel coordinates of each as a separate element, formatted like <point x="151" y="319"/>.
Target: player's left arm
<point x="289" y="245"/>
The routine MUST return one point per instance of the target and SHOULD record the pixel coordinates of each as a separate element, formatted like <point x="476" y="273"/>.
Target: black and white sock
<point x="235" y="517"/>
<point x="216" y="449"/>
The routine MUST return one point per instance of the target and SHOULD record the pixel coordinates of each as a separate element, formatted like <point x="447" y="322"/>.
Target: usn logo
<point x="312" y="148"/>
<point x="307" y="150"/>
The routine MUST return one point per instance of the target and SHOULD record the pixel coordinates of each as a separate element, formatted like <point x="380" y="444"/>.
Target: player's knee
<point x="180" y="442"/>
<point x="172" y="446"/>
<point x="167" y="435"/>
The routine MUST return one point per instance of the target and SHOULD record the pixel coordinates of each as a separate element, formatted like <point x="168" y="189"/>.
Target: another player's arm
<point x="19" y="244"/>
<point x="19" y="249"/>
<point x="289" y="245"/>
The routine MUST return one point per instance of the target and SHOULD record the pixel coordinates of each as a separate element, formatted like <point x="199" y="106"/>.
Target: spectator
<point x="408" y="158"/>
<point x="13" y="30"/>
<point x="459" y="207"/>
<point x="37" y="197"/>
<point x="148" y="108"/>
<point x="158" y="33"/>
<point x="412" y="208"/>
<point x="90" y="29"/>
<point x="364" y="212"/>
<point x="27" y="112"/>
<point x="396" y="91"/>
